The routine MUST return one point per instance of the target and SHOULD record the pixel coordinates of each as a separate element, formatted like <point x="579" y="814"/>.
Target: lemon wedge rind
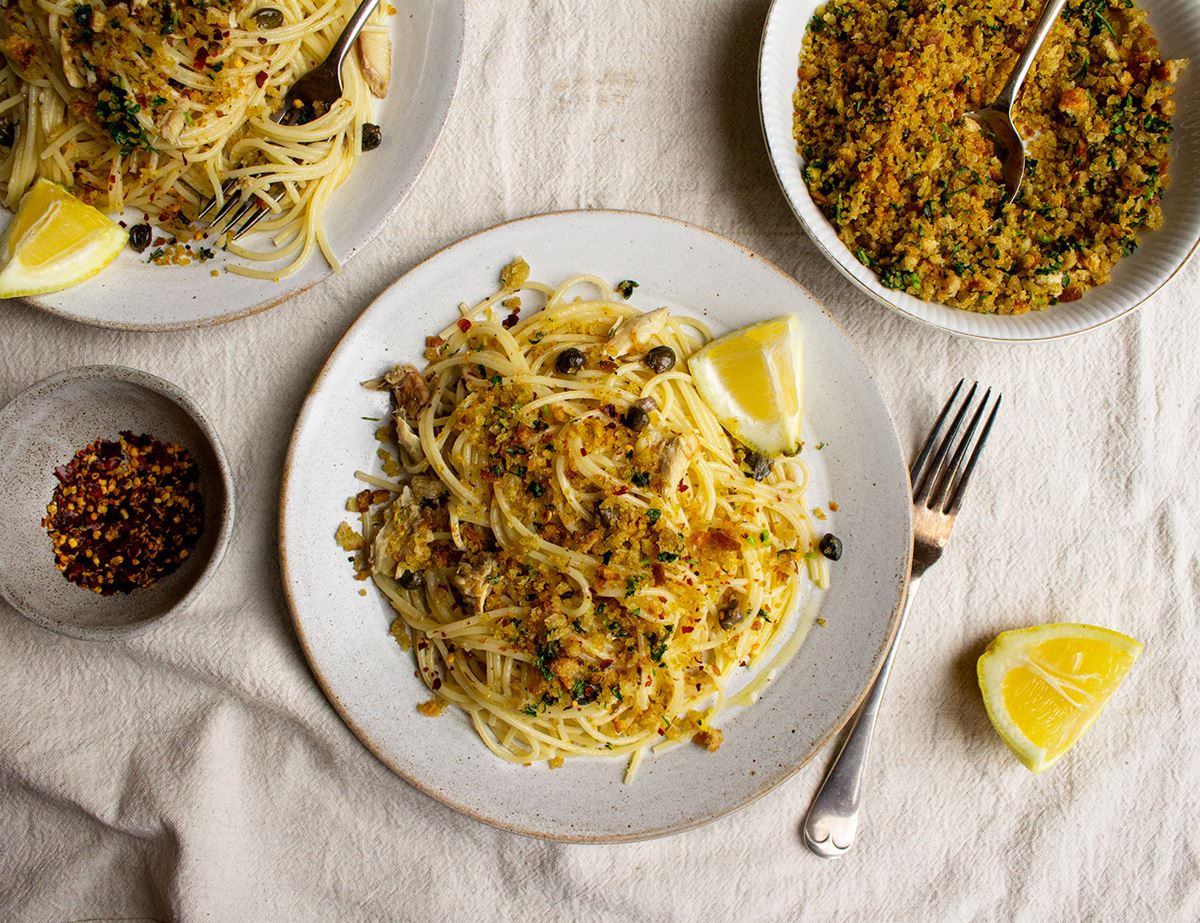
<point x="1044" y="686"/>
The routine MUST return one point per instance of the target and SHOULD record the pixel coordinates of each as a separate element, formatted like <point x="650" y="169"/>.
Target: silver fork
<point x="310" y="96"/>
<point x="939" y="479"/>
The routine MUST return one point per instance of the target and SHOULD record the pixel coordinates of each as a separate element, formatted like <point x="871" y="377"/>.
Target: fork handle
<point x="832" y="820"/>
<point x="355" y="25"/>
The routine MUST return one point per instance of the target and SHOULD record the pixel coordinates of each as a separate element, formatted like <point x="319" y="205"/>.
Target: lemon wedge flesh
<point x="751" y="380"/>
<point x="1044" y="686"/>
<point x="54" y="242"/>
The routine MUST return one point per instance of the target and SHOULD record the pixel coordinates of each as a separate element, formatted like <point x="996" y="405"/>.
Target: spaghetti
<point x="579" y="553"/>
<point x="155" y="104"/>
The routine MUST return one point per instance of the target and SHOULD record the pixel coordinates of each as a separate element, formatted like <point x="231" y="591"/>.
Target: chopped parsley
<point x="633" y="584"/>
<point x="535" y="488"/>
<point x="902" y="280"/>
<point x="659" y="647"/>
<point x="626" y="287"/>
<point x="545" y="653"/>
<point x="668" y="556"/>
<point x="641" y="479"/>
<point x="170" y="19"/>
<point x="496" y="380"/>
<point x="654" y="515"/>
<point x="118" y="114"/>
<point x="83" y="18"/>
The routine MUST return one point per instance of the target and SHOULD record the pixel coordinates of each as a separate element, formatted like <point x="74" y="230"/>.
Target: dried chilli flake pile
<point x="124" y="513"/>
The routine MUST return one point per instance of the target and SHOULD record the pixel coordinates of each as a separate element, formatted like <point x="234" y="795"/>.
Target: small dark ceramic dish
<point x="41" y="429"/>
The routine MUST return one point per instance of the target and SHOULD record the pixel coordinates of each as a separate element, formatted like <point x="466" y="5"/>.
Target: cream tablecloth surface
<point x="197" y="773"/>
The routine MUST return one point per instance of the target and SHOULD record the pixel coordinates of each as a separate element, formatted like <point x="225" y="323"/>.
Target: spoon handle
<point x="1012" y="89"/>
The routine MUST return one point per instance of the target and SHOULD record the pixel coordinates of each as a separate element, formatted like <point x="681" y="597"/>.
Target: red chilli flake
<point x="437" y="683"/>
<point x="260" y="79"/>
<point x="201" y="57"/>
<point x="582" y="452"/>
<point x="686" y="630"/>
<point x="463" y="324"/>
<point x="509" y="322"/>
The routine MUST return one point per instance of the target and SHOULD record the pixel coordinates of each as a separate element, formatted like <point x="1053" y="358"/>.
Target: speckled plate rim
<point x="830" y="246"/>
<point x="352" y="251"/>
<point x="179" y="398"/>
<point x="769" y="782"/>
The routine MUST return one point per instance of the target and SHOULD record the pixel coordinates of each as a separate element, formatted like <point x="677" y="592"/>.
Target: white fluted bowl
<point x="1162" y="253"/>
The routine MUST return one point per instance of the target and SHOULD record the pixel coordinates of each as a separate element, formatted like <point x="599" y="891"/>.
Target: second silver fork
<point x="316" y="91"/>
<point x="939" y="475"/>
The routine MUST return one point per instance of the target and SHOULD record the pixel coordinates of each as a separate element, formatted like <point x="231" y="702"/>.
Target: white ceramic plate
<point x="370" y="680"/>
<point x="1162" y="253"/>
<point x="131" y="294"/>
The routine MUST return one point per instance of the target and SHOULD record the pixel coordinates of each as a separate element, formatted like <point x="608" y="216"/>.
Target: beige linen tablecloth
<point x="197" y="773"/>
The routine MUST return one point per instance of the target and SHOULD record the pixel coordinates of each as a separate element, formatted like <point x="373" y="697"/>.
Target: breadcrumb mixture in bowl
<point x="913" y="187"/>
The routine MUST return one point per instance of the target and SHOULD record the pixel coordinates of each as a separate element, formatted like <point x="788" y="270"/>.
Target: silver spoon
<point x="996" y="120"/>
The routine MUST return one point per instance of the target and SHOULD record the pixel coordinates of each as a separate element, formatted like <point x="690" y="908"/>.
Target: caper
<point x="268" y="18"/>
<point x="410" y="579"/>
<point x="8" y="132"/>
<point x="830" y="546"/>
<point x="661" y="359"/>
<point x="636" y="418"/>
<point x="607" y="516"/>
<point x="569" y="361"/>
<point x="372" y="136"/>
<point x="139" y="237"/>
<point x="646" y="403"/>
<point x="731" y="614"/>
<point x="760" y="465"/>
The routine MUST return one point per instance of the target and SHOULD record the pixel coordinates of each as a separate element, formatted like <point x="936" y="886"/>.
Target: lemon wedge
<point x="54" y="242"/>
<point x="751" y="381"/>
<point x="1044" y="686"/>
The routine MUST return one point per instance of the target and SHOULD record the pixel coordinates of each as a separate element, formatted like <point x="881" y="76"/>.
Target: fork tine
<point x="255" y="217"/>
<point x="943" y="449"/>
<point x="247" y="203"/>
<point x="919" y="463"/>
<point x="230" y="203"/>
<point x="226" y="188"/>
<point x="289" y="114"/>
<point x="946" y="481"/>
<point x="956" y="497"/>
